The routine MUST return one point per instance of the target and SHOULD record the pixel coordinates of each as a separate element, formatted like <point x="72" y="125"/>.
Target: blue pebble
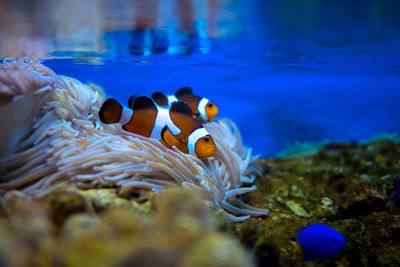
<point x="320" y="242"/>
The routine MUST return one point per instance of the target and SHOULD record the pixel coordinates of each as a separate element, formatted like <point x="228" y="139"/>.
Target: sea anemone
<point x="69" y="144"/>
<point x="24" y="87"/>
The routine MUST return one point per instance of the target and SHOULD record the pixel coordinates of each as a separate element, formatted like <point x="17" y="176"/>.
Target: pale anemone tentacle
<point x="68" y="144"/>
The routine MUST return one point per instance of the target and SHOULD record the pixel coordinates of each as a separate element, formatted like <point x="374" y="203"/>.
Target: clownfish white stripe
<point x="163" y="119"/>
<point x="172" y="99"/>
<point x="125" y="115"/>
<point x="194" y="137"/>
<point x="202" y="108"/>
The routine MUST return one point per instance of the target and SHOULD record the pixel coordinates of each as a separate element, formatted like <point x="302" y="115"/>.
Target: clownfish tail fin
<point x="181" y="107"/>
<point x="168" y="138"/>
<point x="131" y="100"/>
<point x="110" y="111"/>
<point x="160" y="99"/>
<point x="184" y="91"/>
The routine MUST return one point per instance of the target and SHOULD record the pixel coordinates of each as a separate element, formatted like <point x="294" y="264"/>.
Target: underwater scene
<point x="200" y="133"/>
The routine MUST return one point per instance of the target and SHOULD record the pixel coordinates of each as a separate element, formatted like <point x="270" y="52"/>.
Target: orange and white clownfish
<point x="202" y="108"/>
<point x="174" y="126"/>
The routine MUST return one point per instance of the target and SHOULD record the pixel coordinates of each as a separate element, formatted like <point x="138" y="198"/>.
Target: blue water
<point x="285" y="71"/>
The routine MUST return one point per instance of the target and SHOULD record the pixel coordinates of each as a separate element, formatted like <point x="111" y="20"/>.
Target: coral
<point x="350" y="187"/>
<point x="180" y="233"/>
<point x="68" y="144"/>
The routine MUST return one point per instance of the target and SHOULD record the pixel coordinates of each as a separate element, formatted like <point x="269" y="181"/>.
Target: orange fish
<point x="202" y="108"/>
<point x="174" y="126"/>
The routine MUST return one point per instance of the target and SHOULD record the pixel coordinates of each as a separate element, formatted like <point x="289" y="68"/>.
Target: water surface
<point x="284" y="71"/>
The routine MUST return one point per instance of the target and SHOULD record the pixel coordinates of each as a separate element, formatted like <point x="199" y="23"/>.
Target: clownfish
<point x="174" y="126"/>
<point x="202" y="108"/>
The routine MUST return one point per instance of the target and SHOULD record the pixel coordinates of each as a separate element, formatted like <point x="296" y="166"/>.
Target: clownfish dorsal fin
<point x="184" y="91"/>
<point x="110" y="111"/>
<point x="143" y="102"/>
<point x="181" y="107"/>
<point x="160" y="98"/>
<point x="131" y="100"/>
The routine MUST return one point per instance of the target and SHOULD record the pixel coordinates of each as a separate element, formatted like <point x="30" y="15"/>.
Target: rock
<point x="352" y="186"/>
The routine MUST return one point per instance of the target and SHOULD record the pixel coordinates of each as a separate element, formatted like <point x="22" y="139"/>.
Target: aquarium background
<point x="285" y="71"/>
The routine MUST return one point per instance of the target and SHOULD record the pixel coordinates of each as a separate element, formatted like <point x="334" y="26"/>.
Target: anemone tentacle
<point x="68" y="144"/>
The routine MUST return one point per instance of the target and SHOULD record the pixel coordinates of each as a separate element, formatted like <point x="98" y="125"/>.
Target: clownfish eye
<point x="206" y="139"/>
<point x="210" y="105"/>
<point x="196" y="115"/>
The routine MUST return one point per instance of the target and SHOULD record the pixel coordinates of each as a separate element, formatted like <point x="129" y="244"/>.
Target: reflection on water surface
<point x="283" y="70"/>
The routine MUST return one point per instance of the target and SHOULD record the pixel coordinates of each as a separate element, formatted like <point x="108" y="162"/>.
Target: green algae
<point x="302" y="149"/>
<point x="391" y="137"/>
<point x="297" y="208"/>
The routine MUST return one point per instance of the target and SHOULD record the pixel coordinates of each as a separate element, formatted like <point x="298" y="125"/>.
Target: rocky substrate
<point x="354" y="188"/>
